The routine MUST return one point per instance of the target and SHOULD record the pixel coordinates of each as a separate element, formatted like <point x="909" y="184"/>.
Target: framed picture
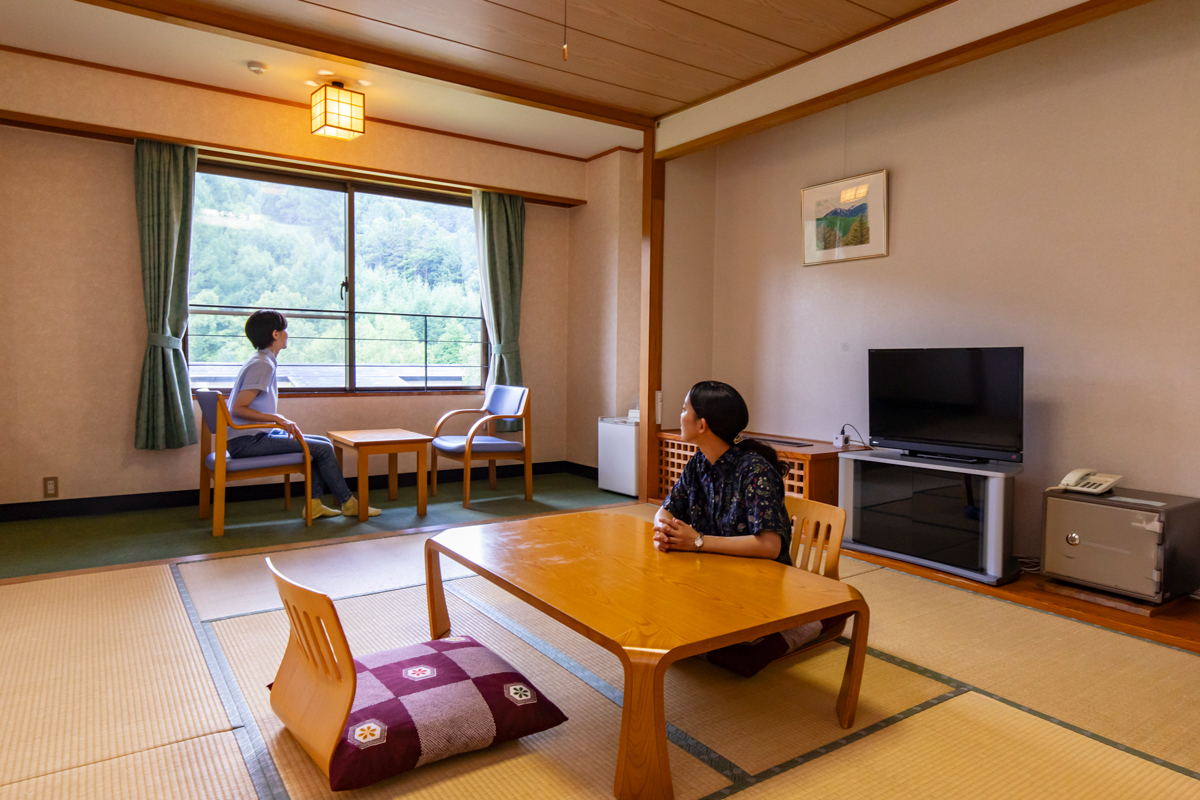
<point x="846" y="219"/>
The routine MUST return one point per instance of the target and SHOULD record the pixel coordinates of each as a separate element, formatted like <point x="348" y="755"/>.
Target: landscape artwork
<point x="846" y="219"/>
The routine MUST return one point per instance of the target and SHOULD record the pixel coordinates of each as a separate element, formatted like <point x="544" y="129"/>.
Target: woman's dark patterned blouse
<point x="737" y="496"/>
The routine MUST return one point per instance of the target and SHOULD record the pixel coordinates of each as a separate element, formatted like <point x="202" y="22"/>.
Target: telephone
<point x="1089" y="481"/>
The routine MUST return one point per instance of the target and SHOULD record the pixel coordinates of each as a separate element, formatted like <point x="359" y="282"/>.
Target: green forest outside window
<point x="397" y="310"/>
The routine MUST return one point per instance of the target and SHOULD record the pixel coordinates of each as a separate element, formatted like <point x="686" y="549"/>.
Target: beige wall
<point x="1043" y="197"/>
<point x="73" y="329"/>
<point x="604" y="301"/>
<point x="78" y="94"/>
<point x="689" y="222"/>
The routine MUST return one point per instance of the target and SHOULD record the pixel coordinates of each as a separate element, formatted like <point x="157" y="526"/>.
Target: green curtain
<point x="164" y="176"/>
<point x="500" y="230"/>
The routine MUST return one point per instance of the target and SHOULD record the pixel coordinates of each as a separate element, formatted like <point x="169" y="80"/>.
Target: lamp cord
<point x="564" y="30"/>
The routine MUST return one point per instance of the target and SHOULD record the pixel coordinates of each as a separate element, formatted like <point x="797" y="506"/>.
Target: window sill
<point x="384" y="393"/>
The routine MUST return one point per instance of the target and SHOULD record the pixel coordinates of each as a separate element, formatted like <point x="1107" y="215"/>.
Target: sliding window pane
<point x="415" y="267"/>
<point x="261" y="244"/>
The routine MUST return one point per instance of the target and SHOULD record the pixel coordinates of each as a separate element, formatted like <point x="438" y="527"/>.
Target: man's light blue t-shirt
<point x="257" y="373"/>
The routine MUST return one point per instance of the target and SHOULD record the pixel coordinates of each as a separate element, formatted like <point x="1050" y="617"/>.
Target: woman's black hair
<point x="261" y="327"/>
<point x="720" y="405"/>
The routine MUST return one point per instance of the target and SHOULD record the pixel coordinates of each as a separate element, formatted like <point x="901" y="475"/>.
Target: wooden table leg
<point x="643" y="764"/>
<point x="393" y="478"/>
<point x="847" y="702"/>
<point x="364" y="484"/>
<point x="337" y="451"/>
<point x="435" y="593"/>
<point x="422" y="479"/>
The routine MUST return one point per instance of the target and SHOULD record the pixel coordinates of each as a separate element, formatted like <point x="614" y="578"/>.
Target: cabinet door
<point x="1115" y="548"/>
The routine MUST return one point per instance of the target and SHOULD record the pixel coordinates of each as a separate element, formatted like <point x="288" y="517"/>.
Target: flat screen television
<point x="958" y="402"/>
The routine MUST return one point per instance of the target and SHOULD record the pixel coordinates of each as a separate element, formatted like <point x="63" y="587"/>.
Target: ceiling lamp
<point x="338" y="112"/>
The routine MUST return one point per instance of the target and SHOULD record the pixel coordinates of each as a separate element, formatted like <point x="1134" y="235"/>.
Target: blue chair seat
<point x="255" y="462"/>
<point x="480" y="444"/>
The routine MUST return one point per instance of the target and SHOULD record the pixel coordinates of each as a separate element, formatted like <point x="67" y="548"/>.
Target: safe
<point x="1137" y="543"/>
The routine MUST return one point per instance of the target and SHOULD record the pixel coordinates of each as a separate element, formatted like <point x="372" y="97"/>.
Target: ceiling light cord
<point x="564" y="30"/>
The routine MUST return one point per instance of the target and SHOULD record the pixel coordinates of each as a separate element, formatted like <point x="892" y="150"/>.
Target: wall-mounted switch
<point x="49" y="487"/>
<point x="658" y="408"/>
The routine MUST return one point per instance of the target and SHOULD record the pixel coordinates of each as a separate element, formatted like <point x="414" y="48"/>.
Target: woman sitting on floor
<point x="729" y="499"/>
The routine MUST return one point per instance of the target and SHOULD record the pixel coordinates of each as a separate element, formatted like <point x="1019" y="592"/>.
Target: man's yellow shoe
<point x="350" y="508"/>
<point x="319" y="509"/>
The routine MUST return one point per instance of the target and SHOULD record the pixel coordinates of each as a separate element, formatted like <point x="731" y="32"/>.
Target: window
<point x="380" y="286"/>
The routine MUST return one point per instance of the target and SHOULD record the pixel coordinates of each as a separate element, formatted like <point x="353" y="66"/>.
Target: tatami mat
<point x="974" y="747"/>
<point x="206" y="768"/>
<point x="226" y="587"/>
<point x="784" y="711"/>
<point x="97" y="667"/>
<point x="1140" y="694"/>
<point x="575" y="760"/>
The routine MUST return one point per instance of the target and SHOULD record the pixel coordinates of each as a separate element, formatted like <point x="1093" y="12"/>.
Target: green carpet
<point x="34" y="547"/>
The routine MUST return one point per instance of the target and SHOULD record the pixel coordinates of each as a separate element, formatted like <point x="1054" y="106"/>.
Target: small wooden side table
<point x="392" y="441"/>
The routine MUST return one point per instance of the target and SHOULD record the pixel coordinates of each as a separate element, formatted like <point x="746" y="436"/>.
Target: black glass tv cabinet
<point x="949" y="516"/>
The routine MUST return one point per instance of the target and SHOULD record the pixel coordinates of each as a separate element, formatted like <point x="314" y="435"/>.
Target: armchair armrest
<point x="437" y="428"/>
<point x="490" y="418"/>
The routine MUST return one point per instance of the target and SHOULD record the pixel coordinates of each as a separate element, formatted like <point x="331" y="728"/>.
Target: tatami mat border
<point x="746" y="781"/>
<point x="962" y="686"/>
<point x="263" y="775"/>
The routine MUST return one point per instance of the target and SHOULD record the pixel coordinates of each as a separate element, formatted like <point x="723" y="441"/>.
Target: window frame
<point x="349" y="188"/>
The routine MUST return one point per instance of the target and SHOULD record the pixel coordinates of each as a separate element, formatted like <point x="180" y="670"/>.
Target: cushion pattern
<point x="480" y="444"/>
<point x="254" y="462"/>
<point x="749" y="658"/>
<point x="429" y="701"/>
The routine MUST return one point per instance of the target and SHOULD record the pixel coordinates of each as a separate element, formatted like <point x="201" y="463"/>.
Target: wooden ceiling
<point x="629" y="59"/>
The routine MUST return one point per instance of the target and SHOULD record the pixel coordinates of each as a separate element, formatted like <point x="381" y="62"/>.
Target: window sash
<point x="348" y="316"/>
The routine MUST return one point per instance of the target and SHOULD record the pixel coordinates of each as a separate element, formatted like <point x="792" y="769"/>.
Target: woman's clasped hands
<point x="673" y="534"/>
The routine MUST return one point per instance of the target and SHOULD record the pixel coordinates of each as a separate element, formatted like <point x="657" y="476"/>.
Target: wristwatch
<point x="699" y="542"/>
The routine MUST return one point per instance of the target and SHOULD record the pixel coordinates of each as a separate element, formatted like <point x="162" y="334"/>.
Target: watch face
<point x="699" y="542"/>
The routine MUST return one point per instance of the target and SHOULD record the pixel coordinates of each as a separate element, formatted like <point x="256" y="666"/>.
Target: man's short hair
<point x="261" y="327"/>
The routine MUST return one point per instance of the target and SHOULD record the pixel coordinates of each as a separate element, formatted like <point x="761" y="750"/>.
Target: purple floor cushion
<point x="749" y="658"/>
<point x="425" y="702"/>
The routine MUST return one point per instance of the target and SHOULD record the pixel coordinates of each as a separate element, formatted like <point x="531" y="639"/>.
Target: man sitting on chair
<point x="255" y="397"/>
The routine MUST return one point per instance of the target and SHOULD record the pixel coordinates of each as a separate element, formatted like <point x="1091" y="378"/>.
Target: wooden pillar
<point x="650" y="376"/>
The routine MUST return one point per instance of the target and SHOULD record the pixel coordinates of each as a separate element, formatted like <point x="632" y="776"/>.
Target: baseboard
<point x="115" y="504"/>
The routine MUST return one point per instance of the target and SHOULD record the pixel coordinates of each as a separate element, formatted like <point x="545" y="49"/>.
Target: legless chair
<point x="314" y="688"/>
<point x="500" y="402"/>
<point x="817" y="531"/>
<point x="217" y="468"/>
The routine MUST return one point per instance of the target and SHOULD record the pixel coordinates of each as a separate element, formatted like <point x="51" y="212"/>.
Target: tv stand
<point x="938" y="457"/>
<point x="950" y="516"/>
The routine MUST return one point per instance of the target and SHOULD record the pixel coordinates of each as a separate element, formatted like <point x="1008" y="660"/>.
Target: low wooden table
<point x="377" y="442"/>
<point x="600" y="575"/>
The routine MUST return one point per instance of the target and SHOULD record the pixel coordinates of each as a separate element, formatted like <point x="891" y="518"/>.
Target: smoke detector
<point x="257" y="67"/>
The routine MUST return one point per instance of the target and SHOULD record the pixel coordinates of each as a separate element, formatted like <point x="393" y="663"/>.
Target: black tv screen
<point x="956" y="401"/>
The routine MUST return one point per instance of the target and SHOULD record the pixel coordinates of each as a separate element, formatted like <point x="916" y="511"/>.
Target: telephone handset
<point x="1089" y="481"/>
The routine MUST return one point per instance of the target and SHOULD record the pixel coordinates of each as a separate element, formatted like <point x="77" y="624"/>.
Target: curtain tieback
<point x="507" y="349"/>
<point x="165" y="342"/>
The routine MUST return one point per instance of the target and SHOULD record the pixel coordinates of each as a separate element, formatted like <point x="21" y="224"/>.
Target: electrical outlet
<point x="50" y="487"/>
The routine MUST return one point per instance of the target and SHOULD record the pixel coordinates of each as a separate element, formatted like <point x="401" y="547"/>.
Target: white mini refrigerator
<point x="618" y="454"/>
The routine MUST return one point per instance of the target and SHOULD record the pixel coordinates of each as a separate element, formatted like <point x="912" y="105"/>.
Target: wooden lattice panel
<point x="674" y="453"/>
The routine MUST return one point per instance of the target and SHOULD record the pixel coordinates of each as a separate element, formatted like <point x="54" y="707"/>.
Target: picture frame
<point x="838" y="216"/>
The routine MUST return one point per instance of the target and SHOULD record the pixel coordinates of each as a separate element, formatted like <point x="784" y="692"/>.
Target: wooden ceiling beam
<point x="269" y="31"/>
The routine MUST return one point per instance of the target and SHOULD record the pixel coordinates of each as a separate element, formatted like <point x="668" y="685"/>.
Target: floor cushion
<point x="428" y="701"/>
<point x="749" y="658"/>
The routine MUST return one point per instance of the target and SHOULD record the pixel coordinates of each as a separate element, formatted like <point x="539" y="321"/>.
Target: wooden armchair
<point x="217" y="468"/>
<point x="817" y="531"/>
<point x="500" y="402"/>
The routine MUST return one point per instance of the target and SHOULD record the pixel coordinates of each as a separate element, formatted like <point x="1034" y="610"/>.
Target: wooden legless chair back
<point x="817" y="530"/>
<point x="314" y="688"/>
